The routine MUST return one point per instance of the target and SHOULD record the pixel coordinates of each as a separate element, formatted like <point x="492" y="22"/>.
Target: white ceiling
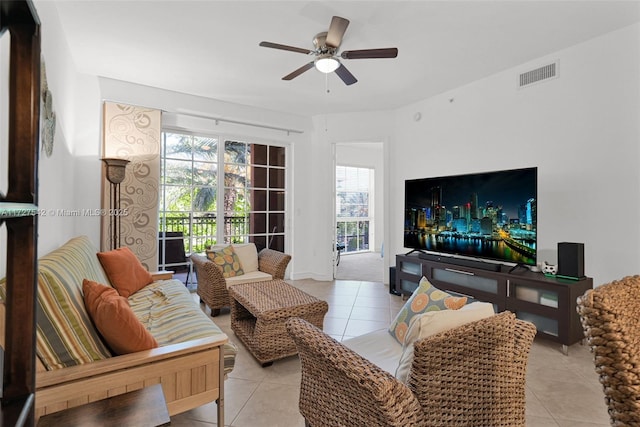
<point x="210" y="48"/>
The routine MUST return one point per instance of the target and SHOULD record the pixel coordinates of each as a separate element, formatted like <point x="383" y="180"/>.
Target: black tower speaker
<point x="570" y="260"/>
<point x="392" y="281"/>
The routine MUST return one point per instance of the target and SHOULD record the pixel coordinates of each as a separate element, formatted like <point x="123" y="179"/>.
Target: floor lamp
<point x="115" y="174"/>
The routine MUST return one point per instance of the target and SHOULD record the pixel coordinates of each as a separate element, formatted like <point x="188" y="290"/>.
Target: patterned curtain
<point x="133" y="133"/>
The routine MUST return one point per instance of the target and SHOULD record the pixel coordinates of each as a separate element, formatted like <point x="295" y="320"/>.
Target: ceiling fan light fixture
<point x="327" y="64"/>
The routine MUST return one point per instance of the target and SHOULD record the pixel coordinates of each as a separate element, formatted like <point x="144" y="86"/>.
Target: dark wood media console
<point x="547" y="302"/>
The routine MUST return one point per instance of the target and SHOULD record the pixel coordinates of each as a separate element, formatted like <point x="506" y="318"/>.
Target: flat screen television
<point x="490" y="215"/>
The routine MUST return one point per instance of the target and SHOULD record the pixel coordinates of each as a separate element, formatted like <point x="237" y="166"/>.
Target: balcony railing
<point x="202" y="229"/>
<point x="356" y="240"/>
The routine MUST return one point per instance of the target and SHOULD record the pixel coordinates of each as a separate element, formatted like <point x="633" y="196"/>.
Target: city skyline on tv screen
<point x="489" y="215"/>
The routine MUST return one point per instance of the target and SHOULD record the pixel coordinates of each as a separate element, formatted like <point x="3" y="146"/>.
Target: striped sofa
<point x="75" y="366"/>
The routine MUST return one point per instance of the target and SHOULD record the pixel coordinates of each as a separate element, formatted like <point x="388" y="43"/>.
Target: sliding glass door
<point x="217" y="190"/>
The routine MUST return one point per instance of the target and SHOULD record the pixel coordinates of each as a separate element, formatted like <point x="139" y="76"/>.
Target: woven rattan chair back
<point x="473" y="375"/>
<point x="453" y="371"/>
<point x="340" y="388"/>
<point x="610" y="316"/>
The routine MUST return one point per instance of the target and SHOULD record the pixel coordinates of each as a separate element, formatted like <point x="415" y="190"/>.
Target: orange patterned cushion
<point x="227" y="261"/>
<point x="115" y="320"/>
<point x="125" y="271"/>
<point x="425" y="298"/>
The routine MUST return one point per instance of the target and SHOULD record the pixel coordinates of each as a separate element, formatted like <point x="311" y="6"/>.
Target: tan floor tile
<point x="182" y="420"/>
<point x="334" y="325"/>
<point x="271" y="405"/>
<point x="571" y="423"/>
<point x="340" y="299"/>
<point x="357" y="327"/>
<point x="533" y="421"/>
<point x="370" y="313"/>
<point x="246" y="367"/>
<point x="376" y="302"/>
<point x="344" y="290"/>
<point x="373" y="289"/>
<point x="535" y="408"/>
<point x="284" y="371"/>
<point x="575" y="401"/>
<point x="339" y="311"/>
<point x="347" y="283"/>
<point x="562" y="391"/>
<point x="236" y="394"/>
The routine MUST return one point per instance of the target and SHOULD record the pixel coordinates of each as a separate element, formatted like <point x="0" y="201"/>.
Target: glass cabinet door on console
<point x="550" y="304"/>
<point x="408" y="274"/>
<point x="475" y="287"/>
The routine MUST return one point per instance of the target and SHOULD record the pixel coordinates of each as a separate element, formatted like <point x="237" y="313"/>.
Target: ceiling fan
<point x="326" y="52"/>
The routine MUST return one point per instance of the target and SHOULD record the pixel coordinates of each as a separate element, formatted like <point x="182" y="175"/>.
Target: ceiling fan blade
<point x="285" y="47"/>
<point x="336" y="31"/>
<point x="391" y="52"/>
<point x="345" y="75"/>
<point x="299" y="71"/>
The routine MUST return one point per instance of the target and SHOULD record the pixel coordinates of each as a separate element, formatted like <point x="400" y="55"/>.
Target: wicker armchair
<point x="610" y="316"/>
<point x="212" y="286"/>
<point x="473" y="375"/>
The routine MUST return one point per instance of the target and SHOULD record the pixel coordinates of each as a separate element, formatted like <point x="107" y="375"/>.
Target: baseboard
<point x="313" y="276"/>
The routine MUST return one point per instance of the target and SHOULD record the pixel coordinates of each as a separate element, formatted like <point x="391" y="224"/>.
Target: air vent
<point x="539" y="74"/>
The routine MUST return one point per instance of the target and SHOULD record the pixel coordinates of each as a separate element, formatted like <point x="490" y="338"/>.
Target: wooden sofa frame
<point x="191" y="374"/>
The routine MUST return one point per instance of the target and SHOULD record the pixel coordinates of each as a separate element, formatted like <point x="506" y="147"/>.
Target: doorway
<point x="358" y="211"/>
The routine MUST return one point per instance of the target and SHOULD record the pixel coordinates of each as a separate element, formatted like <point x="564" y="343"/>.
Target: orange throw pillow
<point x="125" y="271"/>
<point x="115" y="320"/>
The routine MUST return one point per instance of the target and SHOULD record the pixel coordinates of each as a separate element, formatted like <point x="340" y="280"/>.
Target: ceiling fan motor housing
<point x="320" y="42"/>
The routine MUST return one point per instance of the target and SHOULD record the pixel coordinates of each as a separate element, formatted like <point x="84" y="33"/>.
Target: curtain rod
<point x="235" y="122"/>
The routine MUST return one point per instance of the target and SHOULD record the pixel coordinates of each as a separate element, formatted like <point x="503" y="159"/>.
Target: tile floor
<point x="561" y="390"/>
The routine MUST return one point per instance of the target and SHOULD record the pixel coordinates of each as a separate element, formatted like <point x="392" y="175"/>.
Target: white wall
<point x="65" y="182"/>
<point x="581" y="130"/>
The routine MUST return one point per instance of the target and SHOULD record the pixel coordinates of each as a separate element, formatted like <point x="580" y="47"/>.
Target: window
<point x="354" y="189"/>
<point x="204" y="180"/>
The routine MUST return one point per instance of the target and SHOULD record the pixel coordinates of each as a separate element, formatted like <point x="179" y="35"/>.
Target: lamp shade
<point x="115" y="169"/>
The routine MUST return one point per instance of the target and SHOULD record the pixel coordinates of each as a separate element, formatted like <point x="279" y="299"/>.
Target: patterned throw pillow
<point x="227" y="261"/>
<point x="425" y="298"/>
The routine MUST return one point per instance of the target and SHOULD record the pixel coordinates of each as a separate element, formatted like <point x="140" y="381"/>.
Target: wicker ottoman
<point x="259" y="311"/>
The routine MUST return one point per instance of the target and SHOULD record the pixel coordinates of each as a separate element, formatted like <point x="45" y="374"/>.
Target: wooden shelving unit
<point x="18" y="212"/>
<point x="547" y="302"/>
